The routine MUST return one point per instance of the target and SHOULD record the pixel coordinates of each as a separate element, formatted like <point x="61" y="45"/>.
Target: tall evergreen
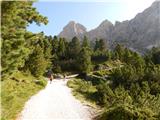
<point x="16" y="15"/>
<point x="55" y="45"/>
<point x="100" y="45"/>
<point x="85" y="42"/>
<point x="155" y="55"/>
<point x="36" y="62"/>
<point x="74" y="47"/>
<point x="118" y="52"/>
<point x="62" y="48"/>
<point x="84" y="61"/>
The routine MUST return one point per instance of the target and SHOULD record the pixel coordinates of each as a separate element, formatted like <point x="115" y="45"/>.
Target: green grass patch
<point x="107" y="67"/>
<point x="113" y="63"/>
<point x="15" y="91"/>
<point x="82" y="89"/>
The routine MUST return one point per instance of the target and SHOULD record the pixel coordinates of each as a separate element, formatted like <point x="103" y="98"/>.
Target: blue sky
<point x="88" y="13"/>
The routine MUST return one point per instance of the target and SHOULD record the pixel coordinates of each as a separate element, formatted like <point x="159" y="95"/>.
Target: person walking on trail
<point x="50" y="77"/>
<point x="64" y="77"/>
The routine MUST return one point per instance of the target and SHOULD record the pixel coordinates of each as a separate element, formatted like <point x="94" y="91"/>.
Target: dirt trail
<point x="55" y="102"/>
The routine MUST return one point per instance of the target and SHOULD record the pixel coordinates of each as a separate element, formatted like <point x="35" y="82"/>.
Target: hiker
<point x="50" y="77"/>
<point x="64" y="77"/>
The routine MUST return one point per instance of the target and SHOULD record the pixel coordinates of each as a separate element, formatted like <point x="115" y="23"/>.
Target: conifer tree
<point x="62" y="48"/>
<point x="37" y="63"/>
<point x="100" y="45"/>
<point x="55" y="44"/>
<point x="96" y="46"/>
<point x="119" y="52"/>
<point x="85" y="42"/>
<point x="156" y="55"/>
<point x="84" y="61"/>
<point x="74" y="47"/>
<point x="16" y="15"/>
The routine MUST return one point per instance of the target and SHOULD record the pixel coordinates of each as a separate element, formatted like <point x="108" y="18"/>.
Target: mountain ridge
<point x="139" y="33"/>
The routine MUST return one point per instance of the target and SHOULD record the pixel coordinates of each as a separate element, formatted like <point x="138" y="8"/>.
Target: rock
<point x="60" y="76"/>
<point x="140" y="33"/>
<point x="72" y="29"/>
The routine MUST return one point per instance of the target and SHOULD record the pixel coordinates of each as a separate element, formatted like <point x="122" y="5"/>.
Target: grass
<point x="113" y="63"/>
<point x="81" y="89"/>
<point x="15" y="91"/>
<point x="84" y="90"/>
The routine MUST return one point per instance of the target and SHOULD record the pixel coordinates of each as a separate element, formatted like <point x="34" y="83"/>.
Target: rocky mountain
<point x="104" y="31"/>
<point x="73" y="29"/>
<point x="140" y="33"/>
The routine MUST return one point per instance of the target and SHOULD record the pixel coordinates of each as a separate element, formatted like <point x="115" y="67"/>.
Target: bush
<point x="117" y="113"/>
<point x="16" y="90"/>
<point x="41" y="82"/>
<point x="101" y="73"/>
<point x="82" y="88"/>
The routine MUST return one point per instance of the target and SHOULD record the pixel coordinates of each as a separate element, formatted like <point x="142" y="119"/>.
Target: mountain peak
<point x="139" y="33"/>
<point x="105" y="23"/>
<point x="155" y="2"/>
<point x="72" y="29"/>
<point x="71" y="22"/>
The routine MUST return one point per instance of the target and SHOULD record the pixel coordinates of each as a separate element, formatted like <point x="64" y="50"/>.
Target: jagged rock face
<point x="72" y="29"/>
<point x="104" y="31"/>
<point x="139" y="33"/>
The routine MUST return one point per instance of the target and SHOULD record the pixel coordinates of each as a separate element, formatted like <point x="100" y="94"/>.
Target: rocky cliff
<point x="140" y="33"/>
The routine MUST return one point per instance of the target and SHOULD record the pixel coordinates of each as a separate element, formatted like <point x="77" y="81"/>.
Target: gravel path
<point x="55" y="102"/>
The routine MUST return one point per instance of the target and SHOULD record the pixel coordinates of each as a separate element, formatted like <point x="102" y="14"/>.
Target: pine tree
<point x="85" y="42"/>
<point x="47" y="50"/>
<point x="74" y="48"/>
<point x="37" y="63"/>
<point x="55" y="44"/>
<point x="84" y="61"/>
<point x="100" y="45"/>
<point x="61" y="48"/>
<point x="156" y="55"/>
<point x="16" y="15"/>
<point x="119" y="52"/>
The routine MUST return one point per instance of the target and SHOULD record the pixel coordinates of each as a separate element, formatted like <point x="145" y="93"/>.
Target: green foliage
<point x="21" y="50"/>
<point x="85" y="42"/>
<point x="131" y="89"/>
<point x="100" y="45"/>
<point x="118" y="52"/>
<point x="100" y="53"/>
<point x="99" y="57"/>
<point x="43" y="83"/>
<point x="154" y="55"/>
<point x="125" y="84"/>
<point x="39" y="58"/>
<point x="74" y="48"/>
<point x="16" y="16"/>
<point x="101" y="73"/>
<point x="81" y="86"/>
<point x="126" y="75"/>
<point x="62" y="48"/>
<point x="15" y="91"/>
<point x="55" y="45"/>
<point x="36" y="62"/>
<point x="129" y="57"/>
<point x="84" y="61"/>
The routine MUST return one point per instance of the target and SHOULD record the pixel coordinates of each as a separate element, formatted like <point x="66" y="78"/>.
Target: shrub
<point x="41" y="82"/>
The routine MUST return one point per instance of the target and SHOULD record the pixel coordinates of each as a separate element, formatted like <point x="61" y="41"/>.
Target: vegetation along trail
<point x="55" y="102"/>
